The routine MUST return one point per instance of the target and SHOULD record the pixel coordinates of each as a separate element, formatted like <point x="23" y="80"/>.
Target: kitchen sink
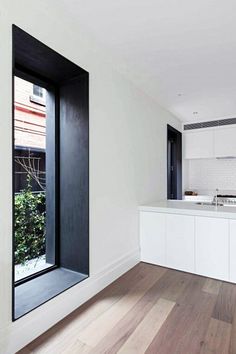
<point x="214" y="204"/>
<point x="209" y="203"/>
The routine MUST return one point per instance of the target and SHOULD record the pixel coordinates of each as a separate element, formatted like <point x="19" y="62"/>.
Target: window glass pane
<point x="38" y="91"/>
<point x="30" y="182"/>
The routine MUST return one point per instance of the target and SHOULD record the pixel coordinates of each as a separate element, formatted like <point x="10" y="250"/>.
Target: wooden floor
<point x="150" y="310"/>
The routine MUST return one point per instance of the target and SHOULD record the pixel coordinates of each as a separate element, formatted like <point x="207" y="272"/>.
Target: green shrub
<point x="29" y="224"/>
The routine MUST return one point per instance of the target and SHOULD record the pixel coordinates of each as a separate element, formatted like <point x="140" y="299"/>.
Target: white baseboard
<point x="29" y="327"/>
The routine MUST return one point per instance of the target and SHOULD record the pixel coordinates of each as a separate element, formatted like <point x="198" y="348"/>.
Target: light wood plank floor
<point x="151" y="310"/>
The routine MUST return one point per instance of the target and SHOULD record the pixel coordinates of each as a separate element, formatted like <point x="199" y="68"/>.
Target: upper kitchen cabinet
<point x="198" y="144"/>
<point x="210" y="142"/>
<point x="225" y="141"/>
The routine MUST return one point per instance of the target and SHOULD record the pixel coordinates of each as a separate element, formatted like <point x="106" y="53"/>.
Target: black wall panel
<point x="74" y="174"/>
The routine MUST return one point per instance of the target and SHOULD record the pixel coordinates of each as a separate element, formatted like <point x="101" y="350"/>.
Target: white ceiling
<point x="170" y="47"/>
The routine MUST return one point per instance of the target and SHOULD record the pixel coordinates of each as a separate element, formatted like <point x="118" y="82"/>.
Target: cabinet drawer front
<point x="225" y="142"/>
<point x="212" y="247"/>
<point x="180" y="242"/>
<point x="232" y="256"/>
<point x="199" y="144"/>
<point x="152" y="237"/>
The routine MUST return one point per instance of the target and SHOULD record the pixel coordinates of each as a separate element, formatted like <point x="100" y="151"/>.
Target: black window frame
<point x="39" y="100"/>
<point x="35" y="86"/>
<point x="71" y="84"/>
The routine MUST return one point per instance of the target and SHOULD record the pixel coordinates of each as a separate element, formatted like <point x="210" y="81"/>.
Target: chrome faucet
<point x="215" y="199"/>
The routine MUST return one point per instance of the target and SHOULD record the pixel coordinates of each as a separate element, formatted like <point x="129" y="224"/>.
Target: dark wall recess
<point x="68" y="85"/>
<point x="174" y="163"/>
<point x="74" y="180"/>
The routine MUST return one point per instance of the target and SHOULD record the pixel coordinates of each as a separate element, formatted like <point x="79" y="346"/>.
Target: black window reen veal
<point x="48" y="145"/>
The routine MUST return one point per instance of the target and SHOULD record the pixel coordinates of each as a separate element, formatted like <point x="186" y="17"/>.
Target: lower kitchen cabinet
<point x="180" y="242"/>
<point x="195" y="244"/>
<point x="152" y="237"/>
<point x="212" y="247"/>
<point x="232" y="255"/>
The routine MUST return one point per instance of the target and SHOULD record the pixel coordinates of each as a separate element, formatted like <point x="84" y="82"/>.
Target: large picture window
<point x="50" y="173"/>
<point x="32" y="222"/>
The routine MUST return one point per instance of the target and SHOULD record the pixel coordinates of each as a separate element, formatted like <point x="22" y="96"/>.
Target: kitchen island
<point x="190" y="208"/>
<point x="199" y="239"/>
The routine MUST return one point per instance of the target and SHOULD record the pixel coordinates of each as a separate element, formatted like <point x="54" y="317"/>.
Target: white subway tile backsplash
<point x="209" y="174"/>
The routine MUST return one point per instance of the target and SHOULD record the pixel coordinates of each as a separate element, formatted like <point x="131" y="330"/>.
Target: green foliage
<point x="30" y="228"/>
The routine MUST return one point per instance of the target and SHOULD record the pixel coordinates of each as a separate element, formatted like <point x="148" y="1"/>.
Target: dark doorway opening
<point x="174" y="163"/>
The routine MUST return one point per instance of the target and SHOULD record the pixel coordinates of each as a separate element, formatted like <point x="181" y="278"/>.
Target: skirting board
<point x="26" y="329"/>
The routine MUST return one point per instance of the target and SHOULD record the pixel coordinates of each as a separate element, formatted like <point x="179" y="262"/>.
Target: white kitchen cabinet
<point x="225" y="141"/>
<point x="180" y="242"/>
<point x="204" y="245"/>
<point x="212" y="247"/>
<point x="152" y="237"/>
<point x="198" y="144"/>
<point x="232" y="255"/>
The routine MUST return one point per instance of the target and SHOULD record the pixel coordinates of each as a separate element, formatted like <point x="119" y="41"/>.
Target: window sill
<point x="37" y="100"/>
<point x="39" y="290"/>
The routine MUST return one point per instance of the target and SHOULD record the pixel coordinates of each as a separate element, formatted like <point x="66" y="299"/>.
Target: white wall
<point x="127" y="165"/>
<point x="205" y="175"/>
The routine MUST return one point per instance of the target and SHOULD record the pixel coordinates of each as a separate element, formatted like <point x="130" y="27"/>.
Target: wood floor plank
<point x="226" y="303"/>
<point x="66" y="342"/>
<point x="68" y="329"/>
<point x="174" y="284"/>
<point x="185" y="328"/>
<point x="232" y="347"/>
<point x="123" y="317"/>
<point x="143" y="335"/>
<point x="212" y="286"/>
<point x="94" y="332"/>
<point x="83" y="316"/>
<point x="68" y="345"/>
<point x="25" y="350"/>
<point x="75" y="348"/>
<point x="118" y="335"/>
<point x="193" y="291"/>
<point x="217" y="338"/>
<point x="114" y="340"/>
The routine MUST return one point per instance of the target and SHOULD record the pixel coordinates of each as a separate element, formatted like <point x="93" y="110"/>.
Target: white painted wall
<point x="127" y="165"/>
<point x="205" y="175"/>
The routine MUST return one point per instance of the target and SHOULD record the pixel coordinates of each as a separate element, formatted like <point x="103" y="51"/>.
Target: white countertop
<point x="198" y="198"/>
<point x="190" y="208"/>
